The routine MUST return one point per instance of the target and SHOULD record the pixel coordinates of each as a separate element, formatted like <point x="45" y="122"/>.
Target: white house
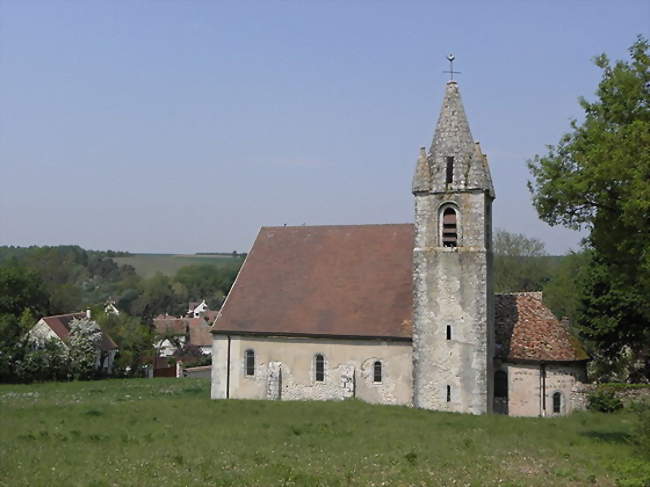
<point x="58" y="327"/>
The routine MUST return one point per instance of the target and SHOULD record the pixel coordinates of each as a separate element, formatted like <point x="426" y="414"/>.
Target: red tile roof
<point x="60" y="324"/>
<point x="199" y="328"/>
<point x="356" y="281"/>
<point x="527" y="330"/>
<point x="325" y="280"/>
<point x="168" y="326"/>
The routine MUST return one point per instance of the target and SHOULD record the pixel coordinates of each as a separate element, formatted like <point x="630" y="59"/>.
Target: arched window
<point x="448" y="393"/>
<point x="557" y="402"/>
<point x="500" y="384"/>
<point x="449" y="228"/>
<point x="320" y="368"/>
<point x="377" y="371"/>
<point x="250" y="362"/>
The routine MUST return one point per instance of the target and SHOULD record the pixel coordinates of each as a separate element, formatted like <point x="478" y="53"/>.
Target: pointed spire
<point x="454" y="161"/>
<point x="479" y="175"/>
<point x="422" y="177"/>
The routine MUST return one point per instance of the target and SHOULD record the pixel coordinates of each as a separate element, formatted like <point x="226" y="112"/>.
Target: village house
<point x="398" y="313"/>
<point x="183" y="335"/>
<point x="57" y="327"/>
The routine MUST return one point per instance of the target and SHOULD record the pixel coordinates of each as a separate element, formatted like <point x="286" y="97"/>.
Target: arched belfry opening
<point x="449" y="227"/>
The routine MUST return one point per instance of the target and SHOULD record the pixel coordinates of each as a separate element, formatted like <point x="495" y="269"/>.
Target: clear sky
<point x="184" y="126"/>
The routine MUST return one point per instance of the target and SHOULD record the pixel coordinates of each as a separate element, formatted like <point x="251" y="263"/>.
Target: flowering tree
<point x="84" y="338"/>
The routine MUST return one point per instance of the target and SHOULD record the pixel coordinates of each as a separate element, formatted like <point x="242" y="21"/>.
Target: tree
<point x="518" y="262"/>
<point x="598" y="178"/>
<point x="134" y="341"/>
<point x="84" y="338"/>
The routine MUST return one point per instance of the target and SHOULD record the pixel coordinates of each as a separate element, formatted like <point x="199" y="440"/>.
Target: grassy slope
<point x="167" y="432"/>
<point x="149" y="264"/>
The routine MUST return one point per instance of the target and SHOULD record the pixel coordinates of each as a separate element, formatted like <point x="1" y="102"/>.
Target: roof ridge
<point x="65" y="314"/>
<point x="342" y="225"/>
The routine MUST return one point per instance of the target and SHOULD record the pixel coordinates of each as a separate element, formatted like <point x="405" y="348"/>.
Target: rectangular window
<point x="450" y="170"/>
<point x="448" y="332"/>
<point x="448" y="393"/>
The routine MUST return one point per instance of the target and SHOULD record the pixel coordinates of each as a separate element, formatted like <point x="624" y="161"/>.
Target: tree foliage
<point x="598" y="177"/>
<point x="519" y="263"/>
<point x="134" y="341"/>
<point x="85" y="336"/>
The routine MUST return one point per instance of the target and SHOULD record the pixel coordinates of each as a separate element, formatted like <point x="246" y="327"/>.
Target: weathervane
<point x="450" y="58"/>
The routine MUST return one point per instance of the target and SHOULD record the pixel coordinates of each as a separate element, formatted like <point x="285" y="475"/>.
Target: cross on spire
<point x="450" y="58"/>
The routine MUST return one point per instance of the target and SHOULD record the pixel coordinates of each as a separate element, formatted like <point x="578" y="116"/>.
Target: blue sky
<point x="184" y="126"/>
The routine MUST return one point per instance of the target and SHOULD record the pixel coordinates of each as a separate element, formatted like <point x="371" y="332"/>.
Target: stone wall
<point x="452" y="287"/>
<point x="285" y="369"/>
<point x="525" y="385"/>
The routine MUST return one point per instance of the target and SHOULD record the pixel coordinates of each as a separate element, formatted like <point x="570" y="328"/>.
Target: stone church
<point x="398" y="313"/>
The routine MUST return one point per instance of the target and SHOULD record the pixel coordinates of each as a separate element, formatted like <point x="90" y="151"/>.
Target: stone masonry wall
<point x="451" y="288"/>
<point x="285" y="369"/>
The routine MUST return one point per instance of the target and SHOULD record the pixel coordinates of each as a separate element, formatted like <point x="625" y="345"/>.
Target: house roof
<point x="166" y="326"/>
<point x="60" y="324"/>
<point x="356" y="281"/>
<point x="199" y="328"/>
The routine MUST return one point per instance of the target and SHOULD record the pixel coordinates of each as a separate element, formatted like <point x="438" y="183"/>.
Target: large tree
<point x="598" y="178"/>
<point x="519" y="262"/>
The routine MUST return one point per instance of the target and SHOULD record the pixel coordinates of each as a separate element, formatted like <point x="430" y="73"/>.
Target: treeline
<point x="41" y="281"/>
<point x="74" y="279"/>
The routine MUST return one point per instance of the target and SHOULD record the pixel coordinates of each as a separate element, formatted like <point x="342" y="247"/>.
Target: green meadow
<point x="168" y="432"/>
<point x="146" y="265"/>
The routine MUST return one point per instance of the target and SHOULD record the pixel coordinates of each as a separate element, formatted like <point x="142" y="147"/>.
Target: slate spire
<point x="455" y="162"/>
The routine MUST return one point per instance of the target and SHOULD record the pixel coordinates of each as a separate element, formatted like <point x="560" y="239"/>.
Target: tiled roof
<point x="526" y="329"/>
<point x="325" y="280"/>
<point x="60" y="324"/>
<point x="199" y="328"/>
<point x="356" y="281"/>
<point x="170" y="326"/>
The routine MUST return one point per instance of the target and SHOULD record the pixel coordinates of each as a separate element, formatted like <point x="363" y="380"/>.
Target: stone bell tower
<point x="453" y="300"/>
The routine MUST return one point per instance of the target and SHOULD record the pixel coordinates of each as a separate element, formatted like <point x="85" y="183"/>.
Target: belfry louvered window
<point x="449" y="228"/>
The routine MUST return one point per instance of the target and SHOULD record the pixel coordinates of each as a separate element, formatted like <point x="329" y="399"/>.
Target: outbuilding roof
<point x="355" y="281"/>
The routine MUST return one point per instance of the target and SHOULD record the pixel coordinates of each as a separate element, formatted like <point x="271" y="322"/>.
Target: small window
<point x="500" y="384"/>
<point x="320" y="368"/>
<point x="557" y="402"/>
<point x="377" y="371"/>
<point x="250" y="362"/>
<point x="449" y="228"/>
<point x="450" y="170"/>
<point x="448" y="393"/>
<point x="448" y="332"/>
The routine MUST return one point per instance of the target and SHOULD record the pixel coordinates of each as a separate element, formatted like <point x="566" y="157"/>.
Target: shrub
<point x="603" y="400"/>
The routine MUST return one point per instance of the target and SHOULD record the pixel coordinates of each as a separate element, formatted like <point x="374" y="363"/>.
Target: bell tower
<point x="453" y="300"/>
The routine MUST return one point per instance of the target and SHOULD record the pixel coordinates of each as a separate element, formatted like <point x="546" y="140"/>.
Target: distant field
<point x="146" y="265"/>
<point x="143" y="432"/>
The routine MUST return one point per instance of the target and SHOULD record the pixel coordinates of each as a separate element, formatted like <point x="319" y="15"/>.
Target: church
<point x="401" y="314"/>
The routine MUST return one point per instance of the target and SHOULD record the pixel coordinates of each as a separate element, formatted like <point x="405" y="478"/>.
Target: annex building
<point x="397" y="313"/>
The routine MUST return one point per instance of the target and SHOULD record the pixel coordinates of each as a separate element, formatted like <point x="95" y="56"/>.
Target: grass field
<point x="167" y="432"/>
<point x="146" y="265"/>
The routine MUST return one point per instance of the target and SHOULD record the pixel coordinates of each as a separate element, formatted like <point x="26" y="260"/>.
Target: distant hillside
<point x="147" y="265"/>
